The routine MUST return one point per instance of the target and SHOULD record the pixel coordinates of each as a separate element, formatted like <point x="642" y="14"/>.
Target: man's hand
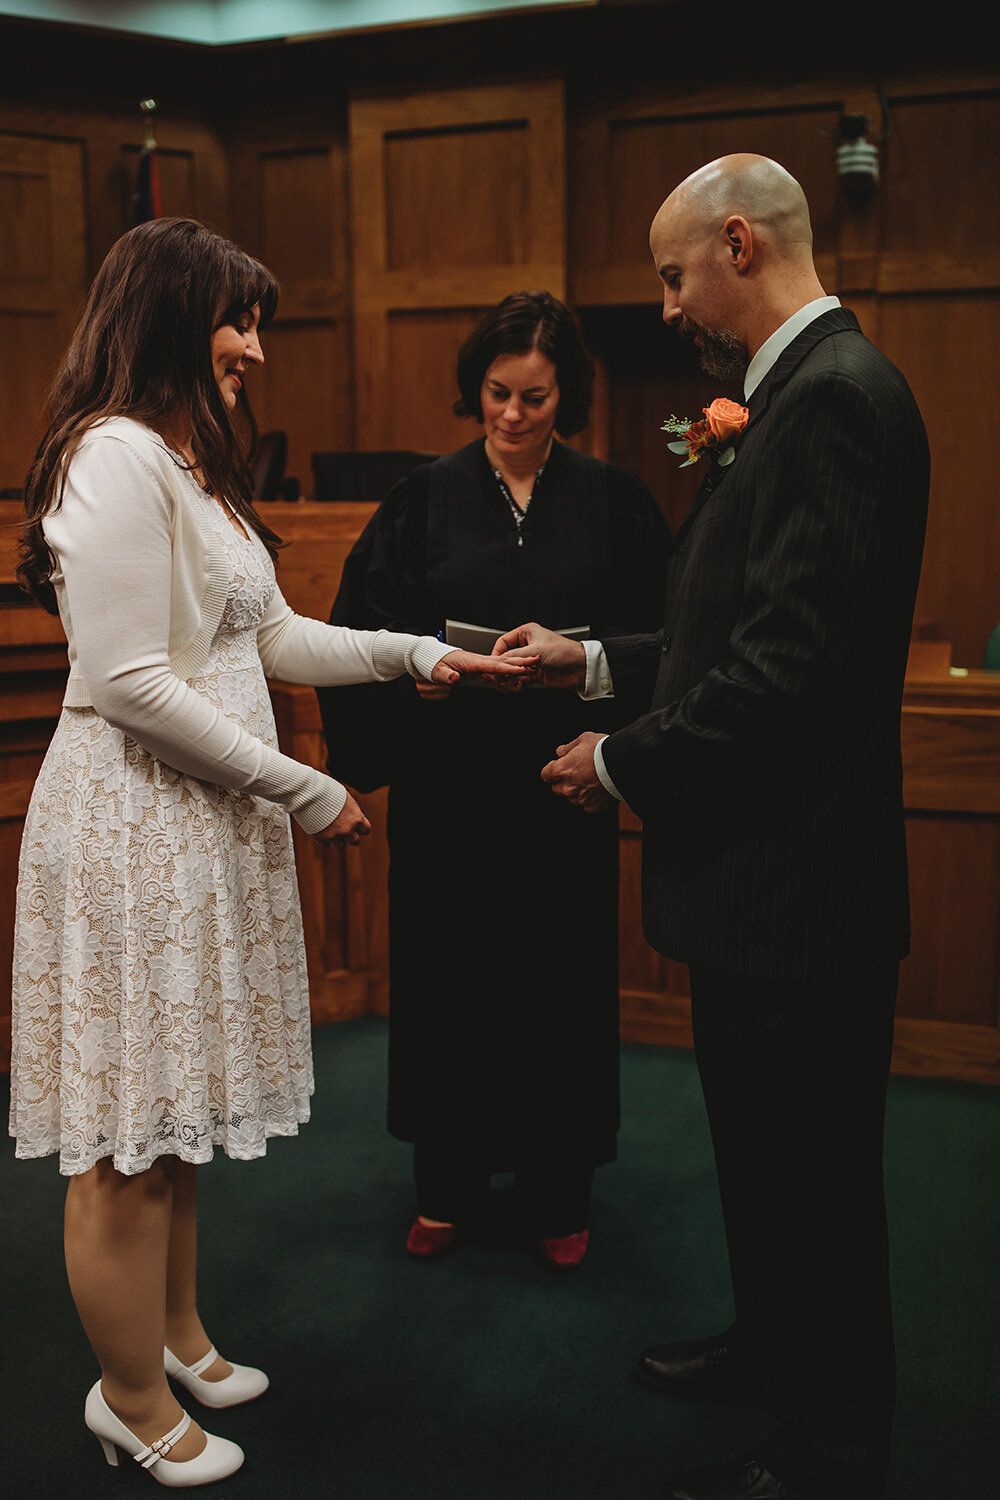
<point x="470" y="664"/>
<point x="350" y="826"/>
<point x="555" y="660"/>
<point x="575" y="777"/>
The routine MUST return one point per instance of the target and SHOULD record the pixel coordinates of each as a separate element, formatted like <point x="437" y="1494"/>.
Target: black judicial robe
<point x="503" y="898"/>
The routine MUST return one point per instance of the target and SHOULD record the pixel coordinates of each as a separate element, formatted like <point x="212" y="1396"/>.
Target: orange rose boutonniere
<point x="712" y="438"/>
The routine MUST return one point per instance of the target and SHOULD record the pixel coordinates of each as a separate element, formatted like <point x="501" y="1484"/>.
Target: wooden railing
<point x="949" y="1008"/>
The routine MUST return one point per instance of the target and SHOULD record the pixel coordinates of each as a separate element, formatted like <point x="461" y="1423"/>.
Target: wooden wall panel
<point x="650" y="375"/>
<point x="32" y="347"/>
<point x="941" y="193"/>
<point x="189" y="156"/>
<point x="917" y="263"/>
<point x="288" y="197"/>
<point x="43" y="278"/>
<point x="628" y="155"/>
<point x="421" y="381"/>
<point x="938" y="275"/>
<point x="946" y="346"/>
<point x="319" y="537"/>
<point x="190" y="159"/>
<point x="343" y="891"/>
<point x="300" y="200"/>
<point x="457" y="199"/>
<point x="655" y="993"/>
<point x="178" y="174"/>
<point x="648" y="157"/>
<point x="458" y="194"/>
<point x="305" y="389"/>
<point x="67" y="174"/>
<point x="953" y="973"/>
<point x="26" y="250"/>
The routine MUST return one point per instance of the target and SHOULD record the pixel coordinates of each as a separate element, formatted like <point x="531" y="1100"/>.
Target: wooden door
<point x="289" y="206"/>
<point x="43" y="281"/>
<point x="457" y="198"/>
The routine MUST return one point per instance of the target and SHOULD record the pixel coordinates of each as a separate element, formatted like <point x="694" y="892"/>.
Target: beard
<point x="721" y="354"/>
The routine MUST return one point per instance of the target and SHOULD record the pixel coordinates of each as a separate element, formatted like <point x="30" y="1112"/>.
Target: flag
<point x="147" y="200"/>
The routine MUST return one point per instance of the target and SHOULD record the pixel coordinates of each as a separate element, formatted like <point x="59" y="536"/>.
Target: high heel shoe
<point x="244" y="1384"/>
<point x="218" y="1459"/>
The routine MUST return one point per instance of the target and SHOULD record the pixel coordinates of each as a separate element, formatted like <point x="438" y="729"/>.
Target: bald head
<point x="751" y="187"/>
<point x="733" y="247"/>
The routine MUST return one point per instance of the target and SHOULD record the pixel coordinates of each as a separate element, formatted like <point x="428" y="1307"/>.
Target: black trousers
<point x="452" y="1181"/>
<point x="794" y="1078"/>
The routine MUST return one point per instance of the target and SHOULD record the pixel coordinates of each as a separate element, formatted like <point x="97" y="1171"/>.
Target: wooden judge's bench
<point x="949" y="1005"/>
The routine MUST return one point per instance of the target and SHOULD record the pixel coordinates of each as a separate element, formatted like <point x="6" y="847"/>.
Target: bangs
<point x="249" y="285"/>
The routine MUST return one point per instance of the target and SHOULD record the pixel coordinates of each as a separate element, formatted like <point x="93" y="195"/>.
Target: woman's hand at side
<point x="350" y="826"/>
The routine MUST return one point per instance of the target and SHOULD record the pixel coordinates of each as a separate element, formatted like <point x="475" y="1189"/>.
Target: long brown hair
<point x="142" y="349"/>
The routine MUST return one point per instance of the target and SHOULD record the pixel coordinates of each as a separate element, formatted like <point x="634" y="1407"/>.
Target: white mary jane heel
<point x="217" y="1460"/>
<point x="244" y="1384"/>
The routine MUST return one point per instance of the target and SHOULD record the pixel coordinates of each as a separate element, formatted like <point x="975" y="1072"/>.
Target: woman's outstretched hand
<point x="350" y="826"/>
<point x="470" y="664"/>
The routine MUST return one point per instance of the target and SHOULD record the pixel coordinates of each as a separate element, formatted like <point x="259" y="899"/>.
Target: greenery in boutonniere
<point x="712" y="438"/>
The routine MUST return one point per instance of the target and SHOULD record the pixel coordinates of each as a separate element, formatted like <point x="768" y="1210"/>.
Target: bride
<point x="160" y="1004"/>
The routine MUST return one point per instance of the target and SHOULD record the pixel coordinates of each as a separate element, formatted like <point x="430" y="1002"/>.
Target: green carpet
<point x="484" y="1377"/>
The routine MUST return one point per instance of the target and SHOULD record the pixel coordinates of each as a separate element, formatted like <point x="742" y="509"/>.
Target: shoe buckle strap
<point x="205" y="1362"/>
<point x="147" y="1457"/>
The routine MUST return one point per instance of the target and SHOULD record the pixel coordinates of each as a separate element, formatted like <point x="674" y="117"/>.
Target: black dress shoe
<point x="699" y="1370"/>
<point x="741" y="1479"/>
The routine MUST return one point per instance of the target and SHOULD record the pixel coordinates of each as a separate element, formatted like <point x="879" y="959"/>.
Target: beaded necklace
<point x="515" y="509"/>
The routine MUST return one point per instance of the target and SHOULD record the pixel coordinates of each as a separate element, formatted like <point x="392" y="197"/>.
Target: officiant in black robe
<point x="503" y="1056"/>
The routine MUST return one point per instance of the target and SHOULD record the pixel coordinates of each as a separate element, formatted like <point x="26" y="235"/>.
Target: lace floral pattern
<point x="161" y="1004"/>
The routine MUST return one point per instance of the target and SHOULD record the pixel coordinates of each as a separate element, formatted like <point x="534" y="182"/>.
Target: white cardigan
<point x="141" y="585"/>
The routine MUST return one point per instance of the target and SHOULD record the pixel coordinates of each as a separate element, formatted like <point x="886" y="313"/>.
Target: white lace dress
<point x="161" y="1004"/>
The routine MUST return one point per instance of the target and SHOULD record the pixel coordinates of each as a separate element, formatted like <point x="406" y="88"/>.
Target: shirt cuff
<point x="602" y="774"/>
<point x="394" y="653"/>
<point x="425" y="656"/>
<point x="320" y="811"/>
<point x="597" y="683"/>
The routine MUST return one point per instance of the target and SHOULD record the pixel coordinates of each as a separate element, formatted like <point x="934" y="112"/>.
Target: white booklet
<point x="483" y="638"/>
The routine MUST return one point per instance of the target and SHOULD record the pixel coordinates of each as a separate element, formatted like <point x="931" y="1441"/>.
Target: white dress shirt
<point x="598" y="682"/>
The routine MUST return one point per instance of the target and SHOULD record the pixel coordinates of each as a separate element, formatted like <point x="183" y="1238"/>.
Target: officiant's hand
<point x="574" y="776"/>
<point x="470" y="664"/>
<point x="555" y="660"/>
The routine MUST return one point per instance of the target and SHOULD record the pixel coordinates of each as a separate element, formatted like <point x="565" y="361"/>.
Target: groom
<point x="764" y="761"/>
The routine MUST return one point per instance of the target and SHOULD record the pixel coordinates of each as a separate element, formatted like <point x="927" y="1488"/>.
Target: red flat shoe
<point x="428" y="1241"/>
<point x="564" y="1252"/>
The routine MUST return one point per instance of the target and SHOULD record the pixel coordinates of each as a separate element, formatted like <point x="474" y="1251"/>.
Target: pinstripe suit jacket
<point x="765" y="759"/>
